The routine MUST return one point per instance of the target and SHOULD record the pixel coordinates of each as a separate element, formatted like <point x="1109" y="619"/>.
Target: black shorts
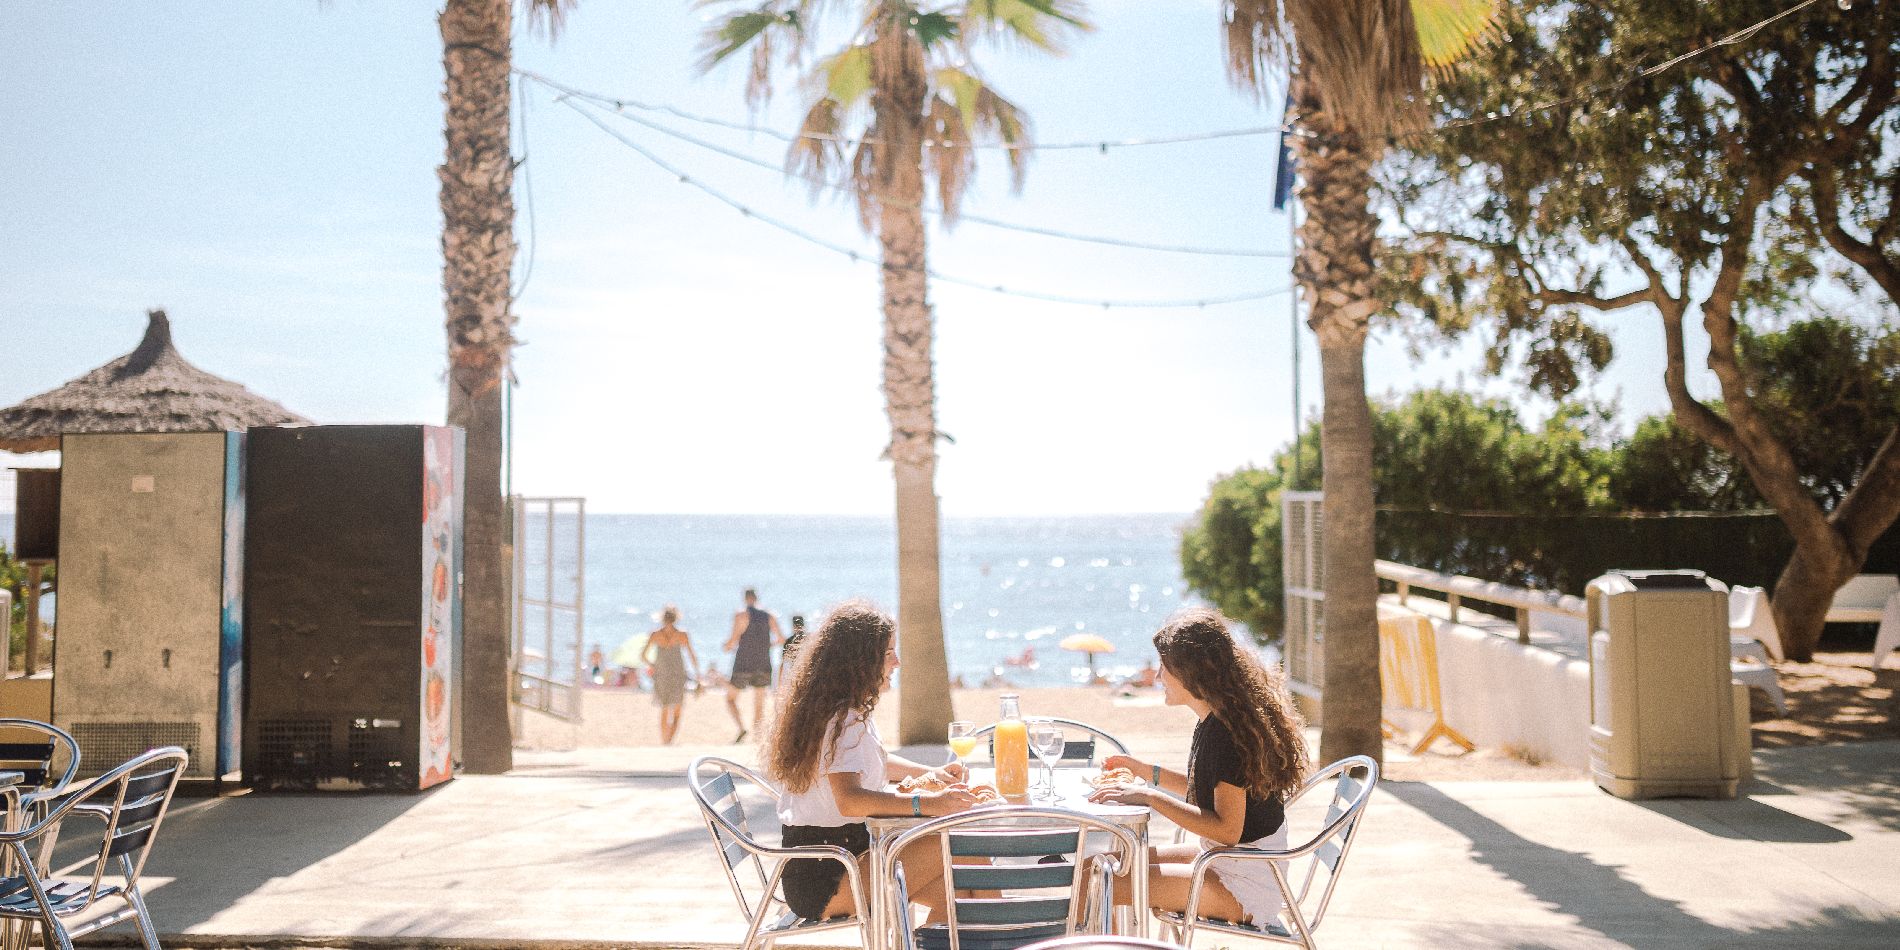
<point x="751" y="679"/>
<point x="809" y="883"/>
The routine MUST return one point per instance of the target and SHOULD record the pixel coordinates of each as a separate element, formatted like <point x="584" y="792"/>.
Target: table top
<point x="1072" y="790"/>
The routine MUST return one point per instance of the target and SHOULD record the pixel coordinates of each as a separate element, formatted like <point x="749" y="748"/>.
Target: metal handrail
<point x="1458" y="588"/>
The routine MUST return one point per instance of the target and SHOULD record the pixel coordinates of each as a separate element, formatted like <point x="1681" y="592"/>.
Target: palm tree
<point x="899" y="106"/>
<point x="1358" y="70"/>
<point x="478" y="254"/>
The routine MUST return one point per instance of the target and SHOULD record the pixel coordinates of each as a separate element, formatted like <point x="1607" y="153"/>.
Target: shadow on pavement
<point x="1746" y="819"/>
<point x="1603" y="901"/>
<point x="218" y="850"/>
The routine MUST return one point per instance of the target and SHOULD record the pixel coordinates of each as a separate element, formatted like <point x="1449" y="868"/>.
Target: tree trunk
<point x="1334" y="266"/>
<point x="478" y="251"/>
<point x="910" y="401"/>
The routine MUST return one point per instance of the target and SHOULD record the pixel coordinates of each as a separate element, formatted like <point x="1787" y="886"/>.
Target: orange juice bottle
<point x="1012" y="750"/>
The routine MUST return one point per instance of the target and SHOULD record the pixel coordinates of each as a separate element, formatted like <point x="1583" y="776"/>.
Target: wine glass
<point x="1046" y="738"/>
<point x="962" y="739"/>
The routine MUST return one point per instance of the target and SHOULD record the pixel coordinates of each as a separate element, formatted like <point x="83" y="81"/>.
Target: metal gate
<point x="550" y="596"/>
<point x="1302" y="526"/>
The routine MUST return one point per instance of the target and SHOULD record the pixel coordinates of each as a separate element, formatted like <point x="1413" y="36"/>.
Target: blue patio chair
<point x="46" y="755"/>
<point x="1075" y="752"/>
<point x="716" y="785"/>
<point x="1350" y="782"/>
<point x="1013" y="847"/>
<point x="130" y="802"/>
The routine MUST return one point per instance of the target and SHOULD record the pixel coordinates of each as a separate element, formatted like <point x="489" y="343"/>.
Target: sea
<point x="1013" y="588"/>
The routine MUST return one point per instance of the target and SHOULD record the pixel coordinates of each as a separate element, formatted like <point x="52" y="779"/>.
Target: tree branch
<point x="1870" y="509"/>
<point x="1827" y="215"/>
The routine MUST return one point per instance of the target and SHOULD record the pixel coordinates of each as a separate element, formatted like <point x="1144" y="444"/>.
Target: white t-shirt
<point x="854" y="748"/>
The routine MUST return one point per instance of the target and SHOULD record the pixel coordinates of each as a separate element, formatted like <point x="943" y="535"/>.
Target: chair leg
<point x="148" y="933"/>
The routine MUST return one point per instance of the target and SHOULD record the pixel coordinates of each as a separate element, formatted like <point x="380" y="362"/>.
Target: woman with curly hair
<point x="825" y="755"/>
<point x="1247" y="758"/>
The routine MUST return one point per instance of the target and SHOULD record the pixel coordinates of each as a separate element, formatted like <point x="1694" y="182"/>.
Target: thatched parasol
<point x="151" y="389"/>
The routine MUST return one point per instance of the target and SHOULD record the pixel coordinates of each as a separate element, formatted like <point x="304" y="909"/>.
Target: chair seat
<point x="66" y="897"/>
<point x="788" y="922"/>
<point x="937" y="936"/>
<point x="1275" y="929"/>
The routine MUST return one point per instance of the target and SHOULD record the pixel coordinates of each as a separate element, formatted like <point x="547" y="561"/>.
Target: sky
<point x="265" y="171"/>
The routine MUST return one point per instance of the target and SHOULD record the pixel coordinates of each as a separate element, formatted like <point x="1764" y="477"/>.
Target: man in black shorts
<point x="754" y="633"/>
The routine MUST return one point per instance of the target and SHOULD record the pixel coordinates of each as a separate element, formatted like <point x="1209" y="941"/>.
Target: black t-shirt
<point x="1215" y="758"/>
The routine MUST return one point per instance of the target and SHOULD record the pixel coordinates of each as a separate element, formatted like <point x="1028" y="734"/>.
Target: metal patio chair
<point x="130" y="802"/>
<point x="1027" y="839"/>
<point x="1075" y="752"/>
<point x="1350" y="782"/>
<point x="48" y="760"/>
<point x="715" y="789"/>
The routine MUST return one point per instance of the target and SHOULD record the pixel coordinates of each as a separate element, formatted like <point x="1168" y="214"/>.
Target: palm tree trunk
<point x="478" y="251"/>
<point x="910" y="401"/>
<point x="1334" y="267"/>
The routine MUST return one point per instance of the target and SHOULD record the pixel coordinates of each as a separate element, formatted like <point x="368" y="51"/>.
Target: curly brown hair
<point x="840" y="670"/>
<point x="1199" y="652"/>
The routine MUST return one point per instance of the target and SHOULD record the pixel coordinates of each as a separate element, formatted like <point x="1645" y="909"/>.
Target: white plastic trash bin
<point x="1662" y="712"/>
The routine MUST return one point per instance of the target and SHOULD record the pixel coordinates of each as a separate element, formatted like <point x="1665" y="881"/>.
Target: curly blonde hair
<point x="840" y="670"/>
<point x="1198" y="651"/>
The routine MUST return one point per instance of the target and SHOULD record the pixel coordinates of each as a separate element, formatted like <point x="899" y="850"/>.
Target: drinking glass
<point x="1046" y="738"/>
<point x="962" y="739"/>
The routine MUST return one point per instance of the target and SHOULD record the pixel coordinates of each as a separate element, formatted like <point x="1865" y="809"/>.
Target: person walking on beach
<point x="666" y="655"/>
<point x="754" y="633"/>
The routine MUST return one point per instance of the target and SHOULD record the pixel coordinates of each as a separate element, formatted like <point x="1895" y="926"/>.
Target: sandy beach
<point x="620" y="731"/>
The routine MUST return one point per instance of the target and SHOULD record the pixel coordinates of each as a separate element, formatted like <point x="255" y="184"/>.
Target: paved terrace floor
<point x="583" y="848"/>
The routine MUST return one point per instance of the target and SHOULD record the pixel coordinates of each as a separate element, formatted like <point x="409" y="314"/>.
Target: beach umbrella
<point x="151" y="389"/>
<point x="1088" y="644"/>
<point x="628" y="653"/>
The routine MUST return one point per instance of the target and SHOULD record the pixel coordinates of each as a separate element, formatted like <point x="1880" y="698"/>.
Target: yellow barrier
<point x="1408" y="674"/>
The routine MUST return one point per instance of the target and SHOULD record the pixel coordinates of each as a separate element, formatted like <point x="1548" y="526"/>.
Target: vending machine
<point x="149" y="649"/>
<point x="353" y="606"/>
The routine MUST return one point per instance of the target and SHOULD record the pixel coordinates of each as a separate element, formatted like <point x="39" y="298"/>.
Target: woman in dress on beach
<point x="666" y="653"/>
<point x="1248" y="755"/>
<point x="824" y="753"/>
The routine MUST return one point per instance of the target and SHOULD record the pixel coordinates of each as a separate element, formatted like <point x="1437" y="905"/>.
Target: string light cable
<point x="860" y="257"/>
<point x="1736" y="38"/>
<point x="1103" y="145"/>
<point x="835" y="187"/>
<point x="527" y="183"/>
<point x="1097" y="145"/>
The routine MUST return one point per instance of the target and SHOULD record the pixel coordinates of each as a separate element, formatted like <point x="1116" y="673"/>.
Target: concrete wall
<point x="1499" y="692"/>
<point x="141" y="578"/>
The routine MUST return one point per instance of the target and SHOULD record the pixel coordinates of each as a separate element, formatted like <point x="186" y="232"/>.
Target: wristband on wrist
<point x="1157" y="776"/>
<point x="917" y="806"/>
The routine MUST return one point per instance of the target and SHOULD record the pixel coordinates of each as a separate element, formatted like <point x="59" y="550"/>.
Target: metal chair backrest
<point x="131" y="800"/>
<point x="1005" y="923"/>
<point x="48" y="755"/>
<point x="1349" y="782"/>
<point x="717" y="792"/>
<point x="1075" y="752"/>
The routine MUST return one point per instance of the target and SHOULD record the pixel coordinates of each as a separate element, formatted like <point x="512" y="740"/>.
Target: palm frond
<point x="548" y="16"/>
<point x="1362" y="58"/>
<point x="817" y="154"/>
<point x="1448" y="30"/>
<point x="868" y="177"/>
<point x="733" y="32"/>
<point x="948" y="156"/>
<point x="1039" y="24"/>
<point x="1002" y="120"/>
<point x="1258" y="41"/>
